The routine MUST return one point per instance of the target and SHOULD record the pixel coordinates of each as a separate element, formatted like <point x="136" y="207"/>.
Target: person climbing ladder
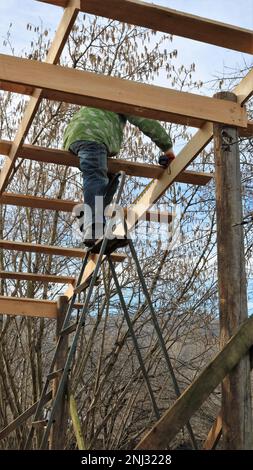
<point x="93" y="135"/>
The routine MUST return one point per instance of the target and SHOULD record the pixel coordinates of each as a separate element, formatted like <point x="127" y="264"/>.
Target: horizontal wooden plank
<point x="124" y="96"/>
<point x="192" y="149"/>
<point x="192" y="398"/>
<point x="243" y="132"/>
<point x="16" y="88"/>
<point x="21" y="200"/>
<point x="169" y="21"/>
<point x="28" y="307"/>
<point x="67" y="206"/>
<point x="51" y="250"/>
<point x="62" y="157"/>
<point x="42" y="278"/>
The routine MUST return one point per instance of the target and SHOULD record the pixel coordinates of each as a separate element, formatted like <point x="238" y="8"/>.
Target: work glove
<point x="166" y="158"/>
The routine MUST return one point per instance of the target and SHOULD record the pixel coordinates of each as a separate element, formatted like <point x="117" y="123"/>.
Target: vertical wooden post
<point x="236" y="393"/>
<point x="58" y="431"/>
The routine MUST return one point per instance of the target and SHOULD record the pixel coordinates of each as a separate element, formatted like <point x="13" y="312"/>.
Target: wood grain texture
<point x="169" y="21"/>
<point x="124" y="96"/>
<point x="236" y="388"/>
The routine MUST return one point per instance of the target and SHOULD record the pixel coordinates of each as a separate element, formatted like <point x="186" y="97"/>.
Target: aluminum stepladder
<point x="103" y="247"/>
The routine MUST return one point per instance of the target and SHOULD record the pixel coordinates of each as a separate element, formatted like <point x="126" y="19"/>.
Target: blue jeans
<point x="96" y="182"/>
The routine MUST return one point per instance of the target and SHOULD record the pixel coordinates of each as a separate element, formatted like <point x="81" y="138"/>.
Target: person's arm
<point x="154" y="131"/>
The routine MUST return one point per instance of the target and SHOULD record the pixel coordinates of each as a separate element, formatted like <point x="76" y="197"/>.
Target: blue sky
<point x="210" y="60"/>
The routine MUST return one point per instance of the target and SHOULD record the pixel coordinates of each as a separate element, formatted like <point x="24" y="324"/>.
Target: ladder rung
<point x="54" y="374"/>
<point x="85" y="284"/>
<point x="41" y="423"/>
<point x="68" y="330"/>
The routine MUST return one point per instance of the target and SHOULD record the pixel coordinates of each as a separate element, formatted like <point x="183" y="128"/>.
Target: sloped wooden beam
<point x="169" y="21"/>
<point x="192" y="398"/>
<point x="125" y="96"/>
<point x="28" y="307"/>
<point x="62" y="157"/>
<point x="61" y="36"/>
<point x="43" y="278"/>
<point x="51" y="250"/>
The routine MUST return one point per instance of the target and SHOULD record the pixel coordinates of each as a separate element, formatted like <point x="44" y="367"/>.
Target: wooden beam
<point x="125" y="96"/>
<point x="43" y="278"/>
<point x="61" y="36"/>
<point x="192" y="398"/>
<point x="38" y="202"/>
<point x="244" y="89"/>
<point x="236" y="387"/>
<point x="216" y="429"/>
<point x="51" y="250"/>
<point x="23" y="417"/>
<point x="169" y="21"/>
<point x="60" y="424"/>
<point x="248" y="132"/>
<point x="214" y="434"/>
<point x="68" y="206"/>
<point x="61" y="157"/>
<point x="28" y="307"/>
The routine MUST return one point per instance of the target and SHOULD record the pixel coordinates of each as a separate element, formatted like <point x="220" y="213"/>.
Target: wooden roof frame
<point x="131" y="168"/>
<point x="28" y="80"/>
<point x="168" y="21"/>
<point x="92" y="89"/>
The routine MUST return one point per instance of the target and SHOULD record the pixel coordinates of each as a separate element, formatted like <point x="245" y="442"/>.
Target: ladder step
<point x="55" y="374"/>
<point x="68" y="330"/>
<point x="41" y="423"/>
<point x="85" y="284"/>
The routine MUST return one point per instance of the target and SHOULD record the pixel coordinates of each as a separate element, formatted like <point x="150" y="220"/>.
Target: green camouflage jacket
<point x="98" y="125"/>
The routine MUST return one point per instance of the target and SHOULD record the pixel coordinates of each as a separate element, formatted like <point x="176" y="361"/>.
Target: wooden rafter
<point x="53" y="55"/>
<point x="169" y="21"/>
<point x="125" y="96"/>
<point x="42" y="278"/>
<point x="65" y="205"/>
<point x="51" y="250"/>
<point x="28" y="307"/>
<point x="62" y="157"/>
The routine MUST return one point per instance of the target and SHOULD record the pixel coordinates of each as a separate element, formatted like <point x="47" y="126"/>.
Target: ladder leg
<point x="136" y="346"/>
<point x="65" y="324"/>
<point x="159" y="334"/>
<point x="81" y="323"/>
